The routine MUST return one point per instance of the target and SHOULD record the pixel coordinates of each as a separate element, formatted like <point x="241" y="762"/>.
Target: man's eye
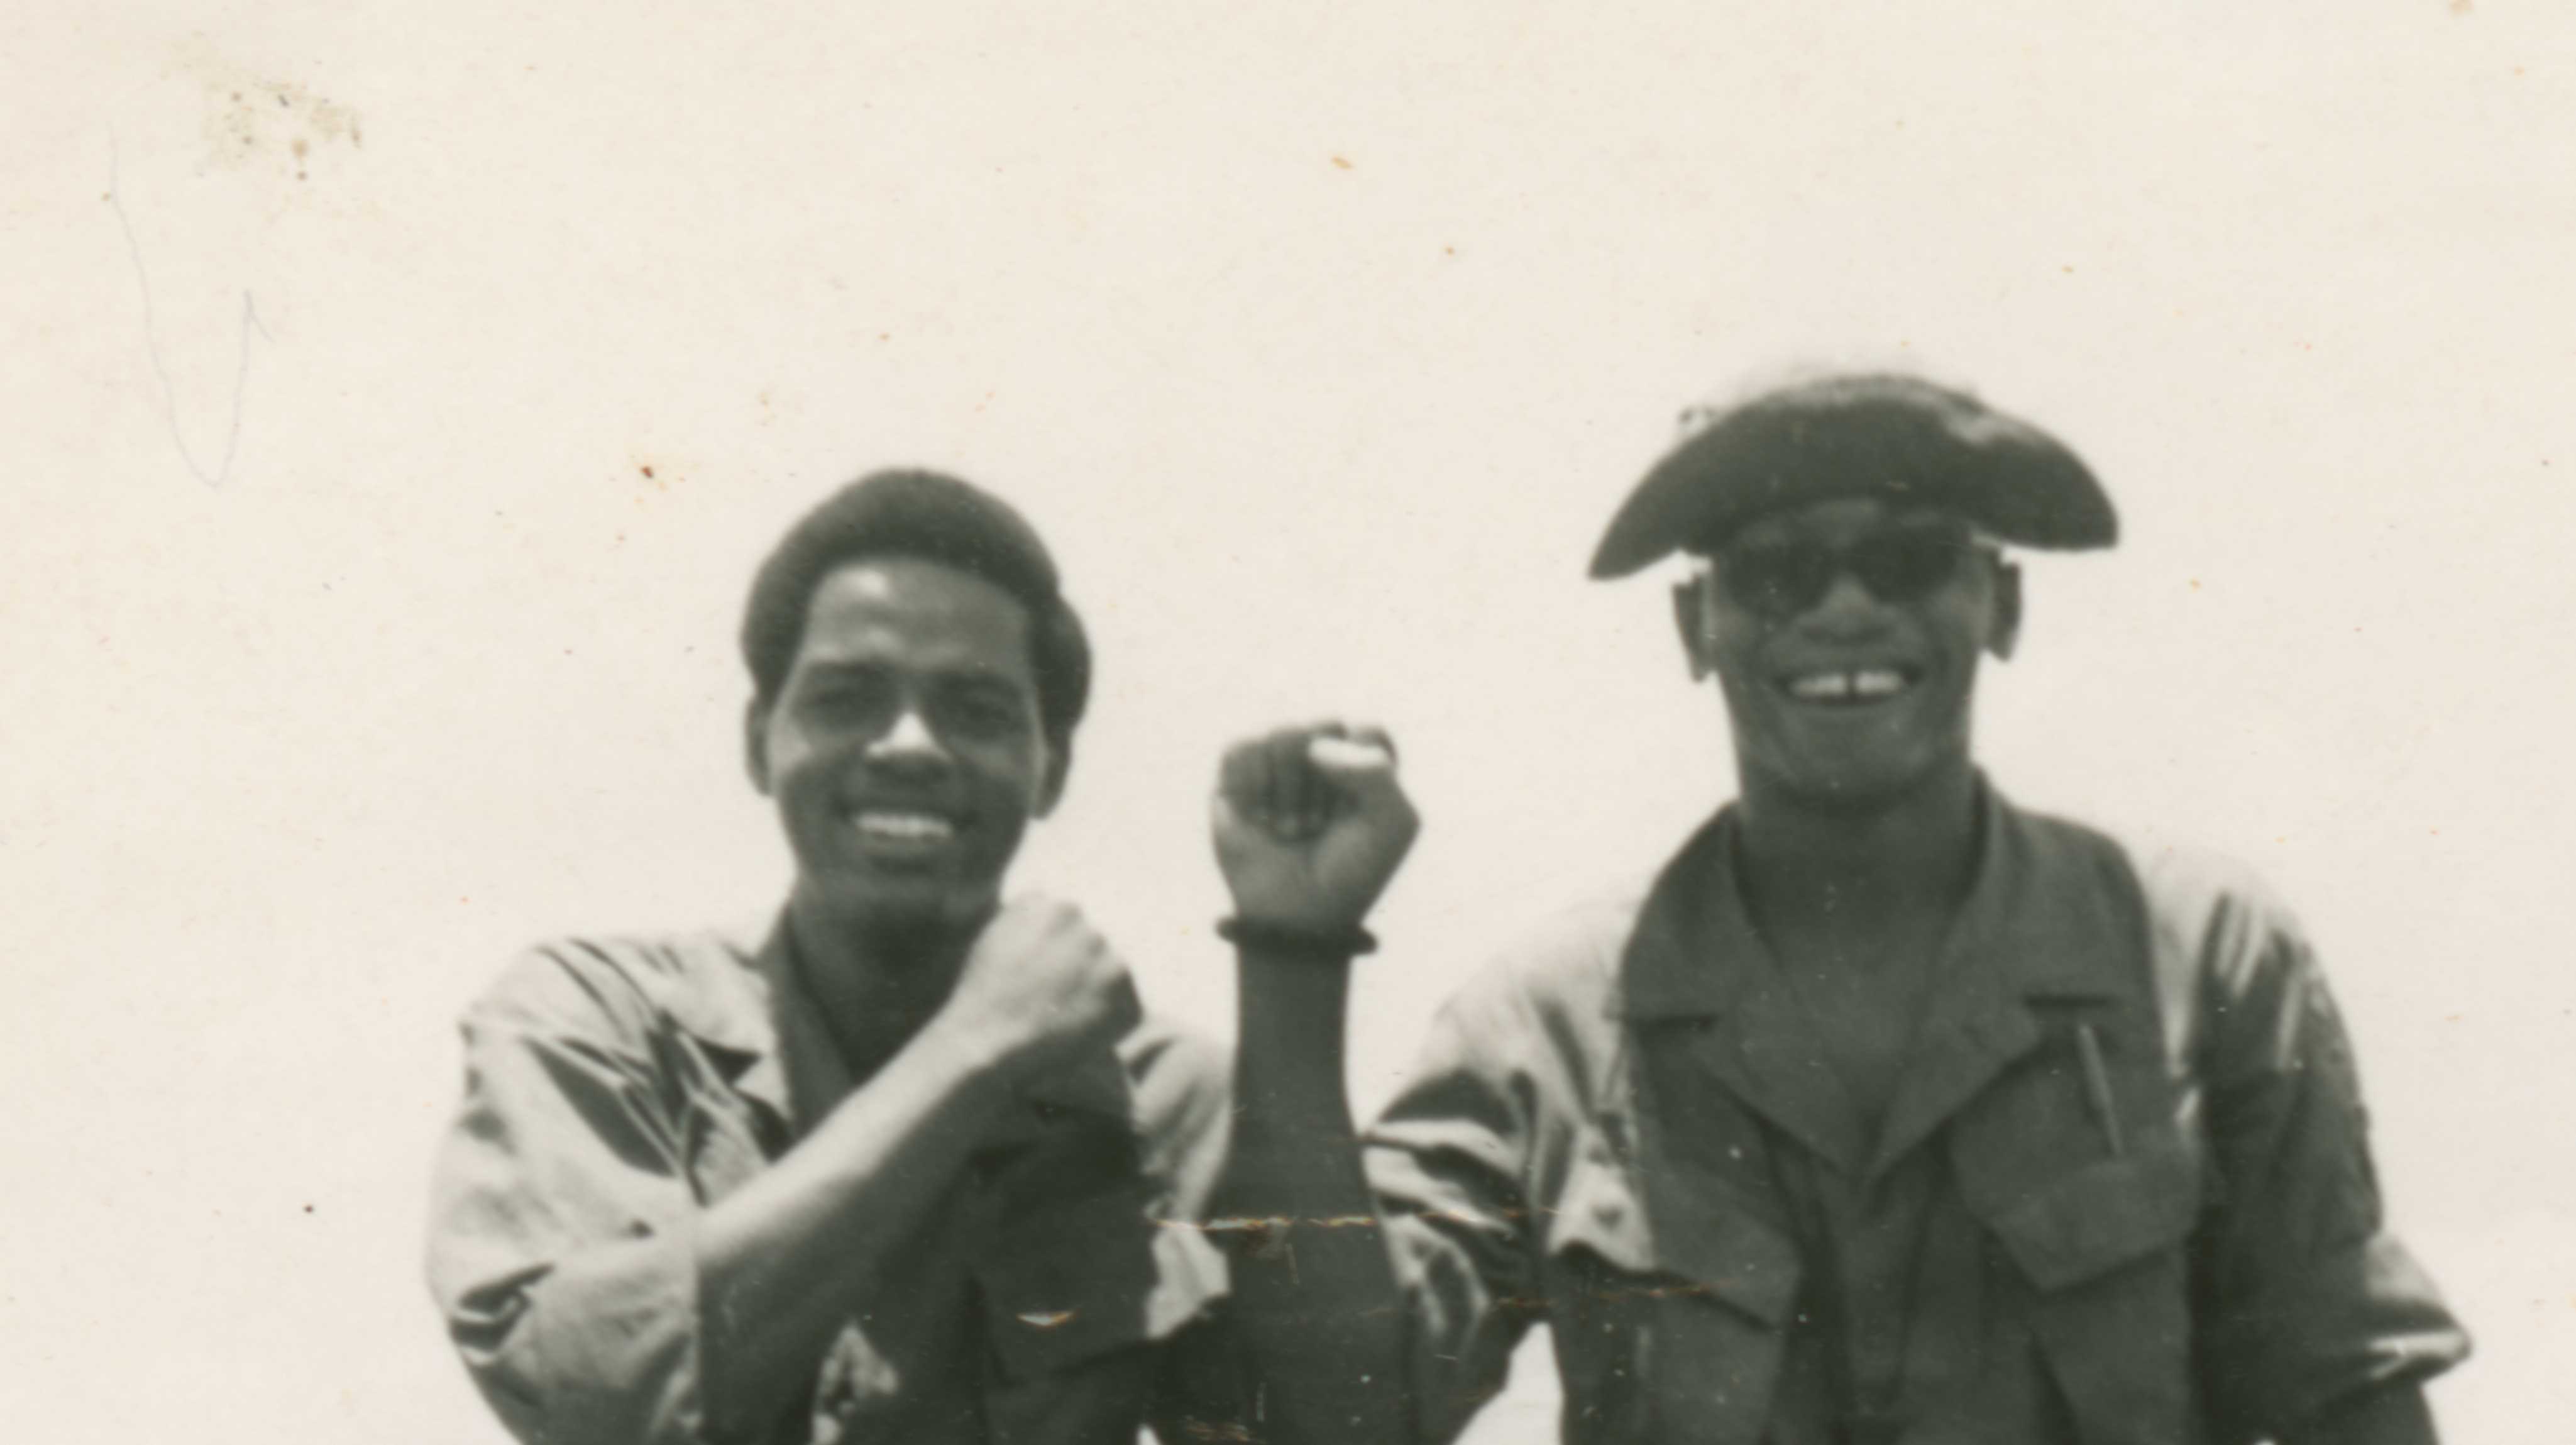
<point x="845" y="700"/>
<point x="1768" y="580"/>
<point x="980" y="715"/>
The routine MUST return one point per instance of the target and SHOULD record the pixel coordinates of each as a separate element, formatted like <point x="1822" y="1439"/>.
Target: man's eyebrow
<point x="960" y="673"/>
<point x="840" y="666"/>
<point x="979" y="675"/>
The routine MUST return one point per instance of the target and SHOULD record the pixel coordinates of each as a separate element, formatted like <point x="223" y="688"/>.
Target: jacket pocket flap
<point x="2104" y="1215"/>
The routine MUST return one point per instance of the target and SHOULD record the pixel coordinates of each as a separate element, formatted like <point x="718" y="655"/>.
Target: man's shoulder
<point x="621" y="982"/>
<point x="2189" y="881"/>
<point x="1565" y="965"/>
<point x="2211" y="917"/>
<point x="2183" y="883"/>
<point x="2218" y="925"/>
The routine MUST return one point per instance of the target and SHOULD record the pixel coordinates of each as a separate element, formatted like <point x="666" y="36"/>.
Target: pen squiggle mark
<point x="250" y="322"/>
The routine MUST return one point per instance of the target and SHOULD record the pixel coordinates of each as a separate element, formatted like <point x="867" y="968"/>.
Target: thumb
<point x="1363" y="767"/>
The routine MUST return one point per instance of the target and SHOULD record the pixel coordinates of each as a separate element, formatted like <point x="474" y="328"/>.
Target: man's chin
<point x="905" y="910"/>
<point x="1858" y="787"/>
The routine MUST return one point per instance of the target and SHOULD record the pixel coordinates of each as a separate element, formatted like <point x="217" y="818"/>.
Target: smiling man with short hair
<point x="1888" y="1113"/>
<point x="913" y="1167"/>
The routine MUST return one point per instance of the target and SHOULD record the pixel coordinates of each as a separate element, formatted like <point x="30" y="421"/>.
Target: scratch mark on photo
<point x="250" y="323"/>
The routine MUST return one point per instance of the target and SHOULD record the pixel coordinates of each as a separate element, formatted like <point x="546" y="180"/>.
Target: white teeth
<point x="1869" y="682"/>
<point x="905" y="827"/>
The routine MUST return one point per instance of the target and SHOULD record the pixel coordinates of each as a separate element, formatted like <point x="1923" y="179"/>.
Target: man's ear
<point x="2005" y="630"/>
<point x="1690" y="614"/>
<point x="1059" y="765"/>
<point x="755" y="745"/>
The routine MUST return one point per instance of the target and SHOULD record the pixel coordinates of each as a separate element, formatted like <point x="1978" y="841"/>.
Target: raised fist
<point x="1041" y="988"/>
<point x="1310" y="824"/>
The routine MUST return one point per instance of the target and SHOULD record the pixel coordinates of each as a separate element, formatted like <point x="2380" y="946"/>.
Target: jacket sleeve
<point x="560" y="1222"/>
<point x="2304" y="1298"/>
<point x="1449" y="1165"/>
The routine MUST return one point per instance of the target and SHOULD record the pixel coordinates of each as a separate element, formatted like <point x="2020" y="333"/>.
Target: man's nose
<point x="909" y="740"/>
<point x="1848" y="604"/>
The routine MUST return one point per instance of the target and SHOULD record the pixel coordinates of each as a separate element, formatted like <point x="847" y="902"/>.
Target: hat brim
<point x="1889" y="438"/>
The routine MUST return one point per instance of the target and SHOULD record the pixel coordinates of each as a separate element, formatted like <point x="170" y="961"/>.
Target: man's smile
<point x="1849" y="686"/>
<point x="898" y="832"/>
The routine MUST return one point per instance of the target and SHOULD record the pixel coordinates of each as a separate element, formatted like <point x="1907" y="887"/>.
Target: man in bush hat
<point x="1888" y="1113"/>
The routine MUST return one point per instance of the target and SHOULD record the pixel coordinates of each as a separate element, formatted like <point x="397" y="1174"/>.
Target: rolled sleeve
<point x="560" y="1242"/>
<point x="1446" y="1163"/>
<point x="2307" y="1298"/>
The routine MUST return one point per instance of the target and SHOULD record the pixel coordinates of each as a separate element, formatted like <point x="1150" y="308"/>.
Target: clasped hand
<point x="1310" y="823"/>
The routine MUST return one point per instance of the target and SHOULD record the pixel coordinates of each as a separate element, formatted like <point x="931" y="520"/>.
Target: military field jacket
<point x="2122" y="1196"/>
<point x="1061" y="1295"/>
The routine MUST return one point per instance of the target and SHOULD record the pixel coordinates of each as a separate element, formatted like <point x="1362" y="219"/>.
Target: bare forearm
<point x="1314" y="1287"/>
<point x="785" y="1259"/>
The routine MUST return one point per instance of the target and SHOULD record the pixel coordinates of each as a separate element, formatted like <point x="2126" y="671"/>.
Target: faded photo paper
<point x="401" y="399"/>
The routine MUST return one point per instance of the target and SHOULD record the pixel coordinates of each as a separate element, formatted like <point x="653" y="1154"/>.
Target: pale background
<point x="1320" y="339"/>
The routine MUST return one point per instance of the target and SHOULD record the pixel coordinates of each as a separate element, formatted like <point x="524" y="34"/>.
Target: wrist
<point x="1290" y="1016"/>
<point x="1269" y="937"/>
<point x="969" y="1049"/>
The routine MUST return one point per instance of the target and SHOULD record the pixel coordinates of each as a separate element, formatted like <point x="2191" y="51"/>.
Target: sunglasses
<point x="1899" y="564"/>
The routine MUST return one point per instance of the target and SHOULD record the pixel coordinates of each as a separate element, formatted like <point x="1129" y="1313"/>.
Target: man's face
<point x="1842" y="695"/>
<point x="904" y="749"/>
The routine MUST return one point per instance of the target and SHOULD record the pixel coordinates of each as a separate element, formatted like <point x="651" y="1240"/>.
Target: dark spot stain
<point x="647" y="471"/>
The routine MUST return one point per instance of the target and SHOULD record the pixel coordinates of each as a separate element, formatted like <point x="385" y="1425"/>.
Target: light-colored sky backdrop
<point x="1320" y="339"/>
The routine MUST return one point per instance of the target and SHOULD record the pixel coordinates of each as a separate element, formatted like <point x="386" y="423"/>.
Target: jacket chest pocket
<point x="1669" y="1304"/>
<point x="2096" y="1082"/>
<point x="2100" y="1253"/>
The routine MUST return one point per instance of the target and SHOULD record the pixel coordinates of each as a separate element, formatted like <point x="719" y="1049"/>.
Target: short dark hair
<point x="934" y="518"/>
